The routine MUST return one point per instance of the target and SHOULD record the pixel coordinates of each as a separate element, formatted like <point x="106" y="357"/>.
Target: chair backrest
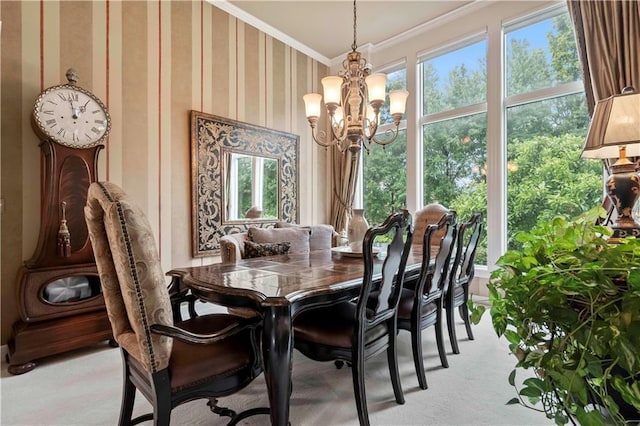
<point x="438" y="238"/>
<point x="133" y="284"/>
<point x="428" y="215"/>
<point x="381" y="304"/>
<point x="463" y="268"/>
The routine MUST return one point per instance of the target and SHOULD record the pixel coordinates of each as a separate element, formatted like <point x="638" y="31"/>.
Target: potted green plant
<point x="568" y="303"/>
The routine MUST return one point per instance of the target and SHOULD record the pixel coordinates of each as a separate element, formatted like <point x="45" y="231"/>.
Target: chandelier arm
<point x="339" y="131"/>
<point x="369" y="128"/>
<point x="320" y="137"/>
<point x="373" y="128"/>
<point x="391" y="133"/>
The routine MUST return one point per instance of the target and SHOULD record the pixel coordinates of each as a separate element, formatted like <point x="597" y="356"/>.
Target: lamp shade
<point x="312" y="104"/>
<point x="615" y="122"/>
<point x="332" y="86"/>
<point x="376" y="85"/>
<point x="398" y="101"/>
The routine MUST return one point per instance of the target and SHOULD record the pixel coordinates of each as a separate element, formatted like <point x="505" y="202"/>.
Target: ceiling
<point x="326" y="27"/>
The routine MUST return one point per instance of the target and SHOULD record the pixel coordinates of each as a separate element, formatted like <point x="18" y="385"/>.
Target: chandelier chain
<point x="354" y="46"/>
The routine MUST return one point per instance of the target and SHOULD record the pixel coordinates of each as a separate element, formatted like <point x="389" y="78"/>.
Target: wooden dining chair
<point x="354" y="332"/>
<point x="170" y="362"/>
<point x="421" y="307"/>
<point x="461" y="276"/>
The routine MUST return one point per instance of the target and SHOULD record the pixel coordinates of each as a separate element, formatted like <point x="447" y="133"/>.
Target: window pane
<point x="455" y="79"/>
<point x="545" y="174"/>
<point x="396" y="80"/>
<point x="270" y="189"/>
<point x="542" y="55"/>
<point x="385" y="179"/>
<point x="455" y="156"/>
<point x="245" y="176"/>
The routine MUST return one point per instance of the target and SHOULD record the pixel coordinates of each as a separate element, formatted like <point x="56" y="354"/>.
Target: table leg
<point x="276" y="351"/>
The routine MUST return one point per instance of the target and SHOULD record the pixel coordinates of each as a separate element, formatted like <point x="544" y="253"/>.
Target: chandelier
<point x="353" y="100"/>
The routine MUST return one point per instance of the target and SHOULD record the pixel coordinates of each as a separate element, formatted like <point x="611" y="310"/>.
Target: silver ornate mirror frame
<point x="211" y="136"/>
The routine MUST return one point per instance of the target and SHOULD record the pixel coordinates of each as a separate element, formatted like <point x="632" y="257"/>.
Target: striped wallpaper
<point x="150" y="62"/>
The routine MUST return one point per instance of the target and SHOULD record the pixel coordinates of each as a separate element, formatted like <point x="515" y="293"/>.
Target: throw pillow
<point x="252" y="249"/>
<point x="297" y="237"/>
<point x="321" y="237"/>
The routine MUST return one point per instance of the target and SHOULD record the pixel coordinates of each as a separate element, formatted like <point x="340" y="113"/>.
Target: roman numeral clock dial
<point x="70" y="115"/>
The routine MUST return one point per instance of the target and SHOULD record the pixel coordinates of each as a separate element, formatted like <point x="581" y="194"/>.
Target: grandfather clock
<point x="59" y="294"/>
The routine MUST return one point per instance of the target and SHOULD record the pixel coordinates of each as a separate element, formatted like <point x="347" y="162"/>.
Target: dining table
<point x="278" y="288"/>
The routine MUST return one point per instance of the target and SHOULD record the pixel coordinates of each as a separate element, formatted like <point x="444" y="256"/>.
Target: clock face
<point x="71" y="116"/>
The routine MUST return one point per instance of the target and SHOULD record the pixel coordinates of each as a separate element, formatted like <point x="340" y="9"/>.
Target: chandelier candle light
<point x="353" y="100"/>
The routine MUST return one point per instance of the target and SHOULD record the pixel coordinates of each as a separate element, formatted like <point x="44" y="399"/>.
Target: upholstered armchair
<point x="428" y="215"/>
<point x="422" y="219"/>
<point x="170" y="363"/>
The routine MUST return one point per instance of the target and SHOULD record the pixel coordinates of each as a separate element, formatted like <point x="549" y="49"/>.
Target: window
<point x="384" y="174"/>
<point x="499" y="127"/>
<point x="547" y="121"/>
<point x="454" y="129"/>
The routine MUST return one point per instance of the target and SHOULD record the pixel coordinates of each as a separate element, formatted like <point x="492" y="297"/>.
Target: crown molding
<point x="448" y="17"/>
<point x="268" y="29"/>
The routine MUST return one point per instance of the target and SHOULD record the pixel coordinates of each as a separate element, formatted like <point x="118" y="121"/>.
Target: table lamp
<point x="615" y="133"/>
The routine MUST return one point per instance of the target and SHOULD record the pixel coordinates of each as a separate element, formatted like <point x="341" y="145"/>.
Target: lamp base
<point x="623" y="188"/>
<point x="624" y="232"/>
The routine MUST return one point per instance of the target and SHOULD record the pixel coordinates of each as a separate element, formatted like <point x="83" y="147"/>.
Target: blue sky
<point x="470" y="55"/>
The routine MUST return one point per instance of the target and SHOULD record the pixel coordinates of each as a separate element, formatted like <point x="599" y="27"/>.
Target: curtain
<point x="345" y="177"/>
<point x="608" y="40"/>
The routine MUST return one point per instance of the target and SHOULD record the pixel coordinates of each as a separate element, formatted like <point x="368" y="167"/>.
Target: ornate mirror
<point x="241" y="174"/>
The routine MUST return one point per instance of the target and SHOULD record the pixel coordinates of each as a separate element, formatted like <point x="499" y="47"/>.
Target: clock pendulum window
<point x="59" y="294"/>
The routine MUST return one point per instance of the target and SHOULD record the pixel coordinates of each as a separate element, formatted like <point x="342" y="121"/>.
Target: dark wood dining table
<point x="279" y="288"/>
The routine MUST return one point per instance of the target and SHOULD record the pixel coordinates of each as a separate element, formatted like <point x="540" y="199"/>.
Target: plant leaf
<point x="513" y="401"/>
<point x="531" y="392"/>
<point x="591" y="418"/>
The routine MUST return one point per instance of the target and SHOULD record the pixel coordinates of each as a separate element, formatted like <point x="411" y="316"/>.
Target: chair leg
<point x="357" y="372"/>
<point x="392" y="359"/>
<point x="162" y="415"/>
<point x="440" y="340"/>
<point x="416" y="347"/>
<point x="128" y="398"/>
<point x="221" y="411"/>
<point x="162" y="398"/>
<point x="451" y="327"/>
<point x="464" y="313"/>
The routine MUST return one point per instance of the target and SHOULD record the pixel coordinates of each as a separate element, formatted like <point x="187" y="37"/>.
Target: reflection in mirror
<point x="251" y="187"/>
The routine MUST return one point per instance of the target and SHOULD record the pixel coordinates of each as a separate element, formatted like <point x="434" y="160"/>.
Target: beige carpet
<point x="83" y="388"/>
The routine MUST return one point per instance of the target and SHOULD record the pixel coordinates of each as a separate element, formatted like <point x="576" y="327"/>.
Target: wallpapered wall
<point x="150" y="62"/>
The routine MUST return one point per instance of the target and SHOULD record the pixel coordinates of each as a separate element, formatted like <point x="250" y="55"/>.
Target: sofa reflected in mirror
<point x="301" y="239"/>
